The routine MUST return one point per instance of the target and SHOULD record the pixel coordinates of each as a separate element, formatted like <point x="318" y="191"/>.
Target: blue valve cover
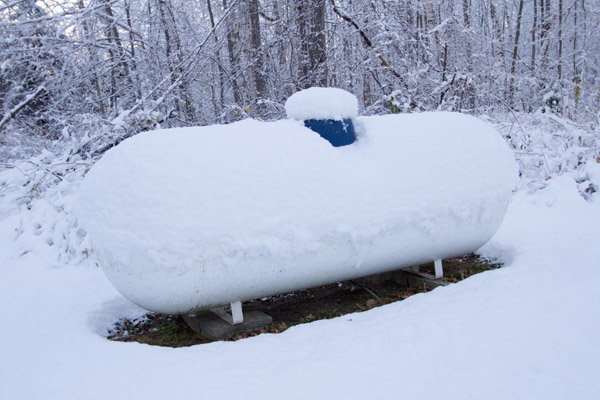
<point x="338" y="133"/>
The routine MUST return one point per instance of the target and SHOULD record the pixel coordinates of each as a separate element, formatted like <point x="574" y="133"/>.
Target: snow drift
<point x="190" y="218"/>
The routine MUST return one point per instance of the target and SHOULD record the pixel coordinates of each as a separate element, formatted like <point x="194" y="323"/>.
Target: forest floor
<point x="303" y="306"/>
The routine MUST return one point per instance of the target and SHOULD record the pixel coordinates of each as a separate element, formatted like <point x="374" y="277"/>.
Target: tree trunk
<point x="317" y="50"/>
<point x="217" y="102"/>
<point x="513" y="67"/>
<point x="497" y="32"/>
<point x="116" y="55"/>
<point x="94" y="61"/>
<point x="560" y="40"/>
<point x="546" y="25"/>
<point x="468" y="28"/>
<point x="183" y="101"/>
<point x="533" y="30"/>
<point x="575" y="72"/>
<point x="256" y="54"/>
<point x="470" y="89"/>
<point x="134" y="68"/>
<point x="310" y="21"/>
<point x="430" y="24"/>
<point x="233" y="48"/>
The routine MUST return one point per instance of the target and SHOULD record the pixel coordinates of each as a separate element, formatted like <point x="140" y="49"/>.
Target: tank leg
<point x="236" y="313"/>
<point x="236" y="317"/>
<point x="439" y="269"/>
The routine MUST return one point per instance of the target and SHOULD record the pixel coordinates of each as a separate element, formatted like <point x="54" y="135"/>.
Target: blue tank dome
<point x="327" y="111"/>
<point x="338" y="133"/>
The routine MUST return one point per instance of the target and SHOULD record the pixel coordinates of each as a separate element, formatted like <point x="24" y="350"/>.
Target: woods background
<point x="83" y="75"/>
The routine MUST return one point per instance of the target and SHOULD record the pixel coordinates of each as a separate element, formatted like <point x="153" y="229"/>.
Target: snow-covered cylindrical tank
<point x="191" y="218"/>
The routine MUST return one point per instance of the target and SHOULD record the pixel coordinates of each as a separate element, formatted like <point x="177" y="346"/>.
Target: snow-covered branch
<point x="15" y="110"/>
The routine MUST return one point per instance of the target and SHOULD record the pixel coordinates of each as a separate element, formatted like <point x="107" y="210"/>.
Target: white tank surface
<point x="192" y="218"/>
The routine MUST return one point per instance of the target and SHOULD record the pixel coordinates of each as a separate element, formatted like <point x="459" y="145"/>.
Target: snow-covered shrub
<point x="546" y="145"/>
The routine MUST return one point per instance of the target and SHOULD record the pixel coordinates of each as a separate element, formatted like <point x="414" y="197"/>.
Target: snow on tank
<point x="321" y="103"/>
<point x="327" y="111"/>
<point x="192" y="218"/>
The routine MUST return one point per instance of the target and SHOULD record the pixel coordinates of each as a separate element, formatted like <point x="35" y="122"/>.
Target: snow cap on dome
<point x="321" y="103"/>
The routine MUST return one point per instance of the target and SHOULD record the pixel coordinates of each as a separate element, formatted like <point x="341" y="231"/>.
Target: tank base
<point x="216" y="328"/>
<point x="409" y="278"/>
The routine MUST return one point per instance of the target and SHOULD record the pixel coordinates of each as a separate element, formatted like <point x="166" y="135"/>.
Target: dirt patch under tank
<point x="289" y="309"/>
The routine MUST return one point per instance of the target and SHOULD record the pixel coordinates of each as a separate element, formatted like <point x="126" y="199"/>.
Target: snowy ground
<point x="530" y="330"/>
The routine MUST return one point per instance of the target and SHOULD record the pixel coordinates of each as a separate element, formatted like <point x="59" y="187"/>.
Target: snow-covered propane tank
<point x="191" y="218"/>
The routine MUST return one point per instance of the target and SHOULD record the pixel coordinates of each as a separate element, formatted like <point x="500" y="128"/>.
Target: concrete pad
<point x="415" y="279"/>
<point x="215" y="328"/>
